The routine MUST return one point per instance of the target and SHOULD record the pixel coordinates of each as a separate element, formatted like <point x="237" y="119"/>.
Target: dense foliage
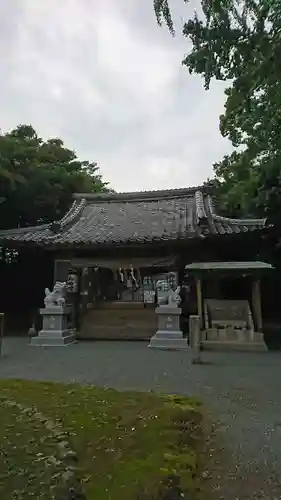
<point x="239" y="41"/>
<point x="38" y="178"/>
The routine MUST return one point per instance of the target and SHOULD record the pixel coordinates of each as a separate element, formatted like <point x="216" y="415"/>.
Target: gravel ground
<point x="243" y="391"/>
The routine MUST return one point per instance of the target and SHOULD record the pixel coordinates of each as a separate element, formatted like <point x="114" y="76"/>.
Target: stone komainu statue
<point x="174" y="298"/>
<point x="167" y="295"/>
<point x="57" y="296"/>
<point x="162" y="289"/>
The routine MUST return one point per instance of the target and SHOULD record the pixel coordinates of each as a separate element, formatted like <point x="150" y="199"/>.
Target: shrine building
<point x="111" y="249"/>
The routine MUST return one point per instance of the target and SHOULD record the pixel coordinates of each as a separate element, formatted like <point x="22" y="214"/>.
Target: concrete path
<point x="243" y="391"/>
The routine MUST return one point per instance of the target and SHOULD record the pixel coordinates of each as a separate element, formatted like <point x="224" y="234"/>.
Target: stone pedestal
<point x="55" y="330"/>
<point x="168" y="335"/>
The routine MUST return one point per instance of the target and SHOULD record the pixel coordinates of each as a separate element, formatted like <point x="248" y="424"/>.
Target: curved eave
<point x="16" y="239"/>
<point x="242" y="222"/>
<point x="50" y="244"/>
<point x="35" y="235"/>
<point x="74" y="212"/>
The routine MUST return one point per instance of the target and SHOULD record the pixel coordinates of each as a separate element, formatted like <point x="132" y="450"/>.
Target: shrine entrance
<point x="116" y="300"/>
<point x="116" y="284"/>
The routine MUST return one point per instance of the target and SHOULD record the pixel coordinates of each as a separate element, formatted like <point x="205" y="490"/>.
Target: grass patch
<point x="119" y="445"/>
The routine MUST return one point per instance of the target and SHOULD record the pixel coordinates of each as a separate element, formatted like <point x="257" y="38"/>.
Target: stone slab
<point x="165" y="339"/>
<point x="168" y="310"/>
<point x="172" y="334"/>
<point x="55" y="310"/>
<point x="234" y="346"/>
<point x="168" y="343"/>
<point x="54" y="333"/>
<point x="233" y="335"/>
<point x="212" y="334"/>
<point x="52" y="340"/>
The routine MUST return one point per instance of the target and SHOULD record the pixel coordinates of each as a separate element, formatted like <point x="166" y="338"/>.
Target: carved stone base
<point x="53" y="339"/>
<point x="168" y="341"/>
<point x="168" y="335"/>
<point x="55" y="331"/>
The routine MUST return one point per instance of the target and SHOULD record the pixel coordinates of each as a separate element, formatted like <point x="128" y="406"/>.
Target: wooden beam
<point x="256" y="301"/>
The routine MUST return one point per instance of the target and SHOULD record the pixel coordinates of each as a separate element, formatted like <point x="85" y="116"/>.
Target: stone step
<point x="117" y="316"/>
<point x="120" y="304"/>
<point x="112" y="333"/>
<point x="115" y="323"/>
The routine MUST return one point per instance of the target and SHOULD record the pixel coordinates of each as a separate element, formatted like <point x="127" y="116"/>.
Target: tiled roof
<point x="138" y="217"/>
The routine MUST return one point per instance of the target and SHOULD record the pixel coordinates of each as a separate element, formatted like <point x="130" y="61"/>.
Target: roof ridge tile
<point x="140" y="195"/>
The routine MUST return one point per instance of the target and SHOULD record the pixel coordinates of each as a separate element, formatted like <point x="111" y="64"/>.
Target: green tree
<point x="239" y="41"/>
<point x="38" y="178"/>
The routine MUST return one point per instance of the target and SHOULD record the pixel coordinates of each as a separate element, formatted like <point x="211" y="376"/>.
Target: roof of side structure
<point x="229" y="266"/>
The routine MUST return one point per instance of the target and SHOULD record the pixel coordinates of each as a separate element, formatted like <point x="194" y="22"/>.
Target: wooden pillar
<point x="61" y="270"/>
<point x="256" y="301"/>
<point x="199" y="300"/>
<point x="84" y="288"/>
<point x="139" y="276"/>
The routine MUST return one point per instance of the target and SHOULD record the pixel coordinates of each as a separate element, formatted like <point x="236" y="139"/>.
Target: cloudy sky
<point x="107" y="80"/>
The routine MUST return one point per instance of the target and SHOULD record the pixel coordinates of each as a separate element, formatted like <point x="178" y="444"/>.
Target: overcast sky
<point x="101" y="75"/>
